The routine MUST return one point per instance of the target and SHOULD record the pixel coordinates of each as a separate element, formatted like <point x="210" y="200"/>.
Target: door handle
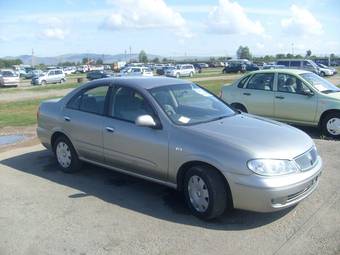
<point x="279" y="97"/>
<point x="66" y="118"/>
<point x="110" y="129"/>
<point x="246" y="94"/>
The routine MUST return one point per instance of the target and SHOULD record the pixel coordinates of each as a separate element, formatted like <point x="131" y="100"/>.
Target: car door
<point x="136" y="149"/>
<point x="294" y="100"/>
<point x="50" y="77"/>
<point x="83" y="119"/>
<point x="258" y="96"/>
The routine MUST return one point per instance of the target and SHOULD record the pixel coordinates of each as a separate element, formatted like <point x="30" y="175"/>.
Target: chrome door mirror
<point x="145" y="121"/>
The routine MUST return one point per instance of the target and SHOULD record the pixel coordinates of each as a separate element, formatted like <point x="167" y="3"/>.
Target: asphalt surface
<point x="97" y="211"/>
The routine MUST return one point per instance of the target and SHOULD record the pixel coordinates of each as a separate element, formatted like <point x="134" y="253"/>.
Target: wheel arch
<point x="235" y="104"/>
<point x="325" y="113"/>
<point x="187" y="165"/>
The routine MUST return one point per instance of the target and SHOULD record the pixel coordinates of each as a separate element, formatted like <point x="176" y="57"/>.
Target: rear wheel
<point x="177" y="75"/>
<point x="66" y="155"/>
<point x="322" y="74"/>
<point x="331" y="125"/>
<point x="191" y="74"/>
<point x="205" y="192"/>
<point x="62" y="80"/>
<point x="43" y="83"/>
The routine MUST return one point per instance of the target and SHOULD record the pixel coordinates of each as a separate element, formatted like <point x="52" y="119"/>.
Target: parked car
<point x="181" y="70"/>
<point x="51" y="76"/>
<point x="33" y="73"/>
<point x="69" y="70"/>
<point x="293" y="96"/>
<point x="164" y="69"/>
<point x="93" y="75"/>
<point x="234" y="68"/>
<point x="326" y="71"/>
<point x="303" y="64"/>
<point x="177" y="134"/>
<point x="136" y="71"/>
<point x="8" y="78"/>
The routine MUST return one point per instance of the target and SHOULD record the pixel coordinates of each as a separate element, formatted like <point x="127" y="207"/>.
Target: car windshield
<point x="319" y="83"/>
<point x="188" y="104"/>
<point x="8" y="74"/>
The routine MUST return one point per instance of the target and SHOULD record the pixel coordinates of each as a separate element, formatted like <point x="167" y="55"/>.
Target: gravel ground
<point x="97" y="211"/>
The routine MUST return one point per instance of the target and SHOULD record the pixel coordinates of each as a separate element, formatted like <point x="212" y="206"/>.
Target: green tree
<point x="142" y="57"/>
<point x="99" y="61"/>
<point x="165" y="60"/>
<point x="85" y="61"/>
<point x="243" y="52"/>
<point x="155" y="60"/>
<point x="280" y="56"/>
<point x="289" y="55"/>
<point x="8" y="63"/>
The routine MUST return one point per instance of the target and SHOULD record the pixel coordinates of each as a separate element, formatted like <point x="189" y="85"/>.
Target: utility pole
<point x="130" y="54"/>
<point x="125" y="56"/>
<point x="32" y="58"/>
<point x="292" y="48"/>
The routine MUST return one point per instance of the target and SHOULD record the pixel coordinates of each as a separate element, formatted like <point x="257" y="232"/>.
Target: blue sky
<point x="169" y="27"/>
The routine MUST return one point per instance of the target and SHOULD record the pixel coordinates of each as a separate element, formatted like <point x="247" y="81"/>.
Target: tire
<point x="239" y="107"/>
<point x="191" y="74"/>
<point x="205" y="192"/>
<point x="66" y="155"/>
<point x="322" y="74"/>
<point x="329" y="125"/>
<point x="177" y="75"/>
<point x="43" y="83"/>
<point x="62" y="81"/>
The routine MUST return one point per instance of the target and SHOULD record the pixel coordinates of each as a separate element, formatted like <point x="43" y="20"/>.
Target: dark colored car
<point x="161" y="71"/>
<point x="239" y="67"/>
<point x="94" y="75"/>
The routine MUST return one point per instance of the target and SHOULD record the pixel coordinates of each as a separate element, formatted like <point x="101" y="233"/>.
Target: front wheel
<point x="66" y="155"/>
<point x="62" y="81"/>
<point x="191" y="74"/>
<point x="177" y="75"/>
<point x="205" y="192"/>
<point x="331" y="125"/>
<point x="322" y="74"/>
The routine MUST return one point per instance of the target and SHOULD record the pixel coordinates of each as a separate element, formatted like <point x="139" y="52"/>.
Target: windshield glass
<point x="188" y="104"/>
<point x="8" y="74"/>
<point x="319" y="83"/>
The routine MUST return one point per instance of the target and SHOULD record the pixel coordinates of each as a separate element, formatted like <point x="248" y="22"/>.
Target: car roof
<point x="282" y="70"/>
<point x="146" y="82"/>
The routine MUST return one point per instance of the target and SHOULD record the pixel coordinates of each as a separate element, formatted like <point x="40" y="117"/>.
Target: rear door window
<point x="243" y="82"/>
<point x="295" y="64"/>
<point x="261" y="81"/>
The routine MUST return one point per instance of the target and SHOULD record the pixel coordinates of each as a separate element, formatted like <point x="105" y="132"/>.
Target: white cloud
<point x="54" y="33"/>
<point x="143" y="14"/>
<point x="230" y="18"/>
<point x="302" y="22"/>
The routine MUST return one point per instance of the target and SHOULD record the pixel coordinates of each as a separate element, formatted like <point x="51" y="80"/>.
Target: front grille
<point x="307" y="160"/>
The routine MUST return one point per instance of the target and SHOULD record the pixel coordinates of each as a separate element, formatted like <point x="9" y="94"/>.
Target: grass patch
<point x="39" y="88"/>
<point x="20" y="113"/>
<point x="214" y="86"/>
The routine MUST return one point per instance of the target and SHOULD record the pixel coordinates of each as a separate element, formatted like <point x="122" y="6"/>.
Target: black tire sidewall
<point x="324" y="124"/>
<point x="203" y="173"/>
<point x="75" y="163"/>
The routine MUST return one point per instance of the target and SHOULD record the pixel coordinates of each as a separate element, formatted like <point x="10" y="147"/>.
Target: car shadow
<point x="133" y="193"/>
<point x="314" y="132"/>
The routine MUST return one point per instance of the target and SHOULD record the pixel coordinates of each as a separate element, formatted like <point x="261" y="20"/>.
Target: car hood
<point x="259" y="137"/>
<point x="335" y="95"/>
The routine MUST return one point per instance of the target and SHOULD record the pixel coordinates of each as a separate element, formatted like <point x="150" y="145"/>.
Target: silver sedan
<point x="178" y="134"/>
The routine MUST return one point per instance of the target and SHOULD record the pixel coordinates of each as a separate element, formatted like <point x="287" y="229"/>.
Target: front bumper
<point x="268" y="194"/>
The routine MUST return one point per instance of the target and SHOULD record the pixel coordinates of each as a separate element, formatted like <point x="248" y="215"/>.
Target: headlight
<point x="272" y="167"/>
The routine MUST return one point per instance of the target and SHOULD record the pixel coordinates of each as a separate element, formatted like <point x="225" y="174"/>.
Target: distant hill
<point x="27" y="59"/>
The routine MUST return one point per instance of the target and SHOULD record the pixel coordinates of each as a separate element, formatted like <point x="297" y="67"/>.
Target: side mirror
<point x="145" y="121"/>
<point x="308" y="93"/>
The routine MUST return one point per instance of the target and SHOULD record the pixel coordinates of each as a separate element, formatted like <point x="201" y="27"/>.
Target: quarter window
<point x="295" y="63"/>
<point x="261" y="81"/>
<point x="128" y="104"/>
<point x="291" y="84"/>
<point x="243" y="82"/>
<point x="92" y="100"/>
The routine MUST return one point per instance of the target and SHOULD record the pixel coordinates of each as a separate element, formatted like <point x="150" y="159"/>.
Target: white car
<point x="325" y="70"/>
<point x="51" y="76"/>
<point x="69" y="70"/>
<point x="8" y="78"/>
<point x="136" y="71"/>
<point x="181" y="70"/>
